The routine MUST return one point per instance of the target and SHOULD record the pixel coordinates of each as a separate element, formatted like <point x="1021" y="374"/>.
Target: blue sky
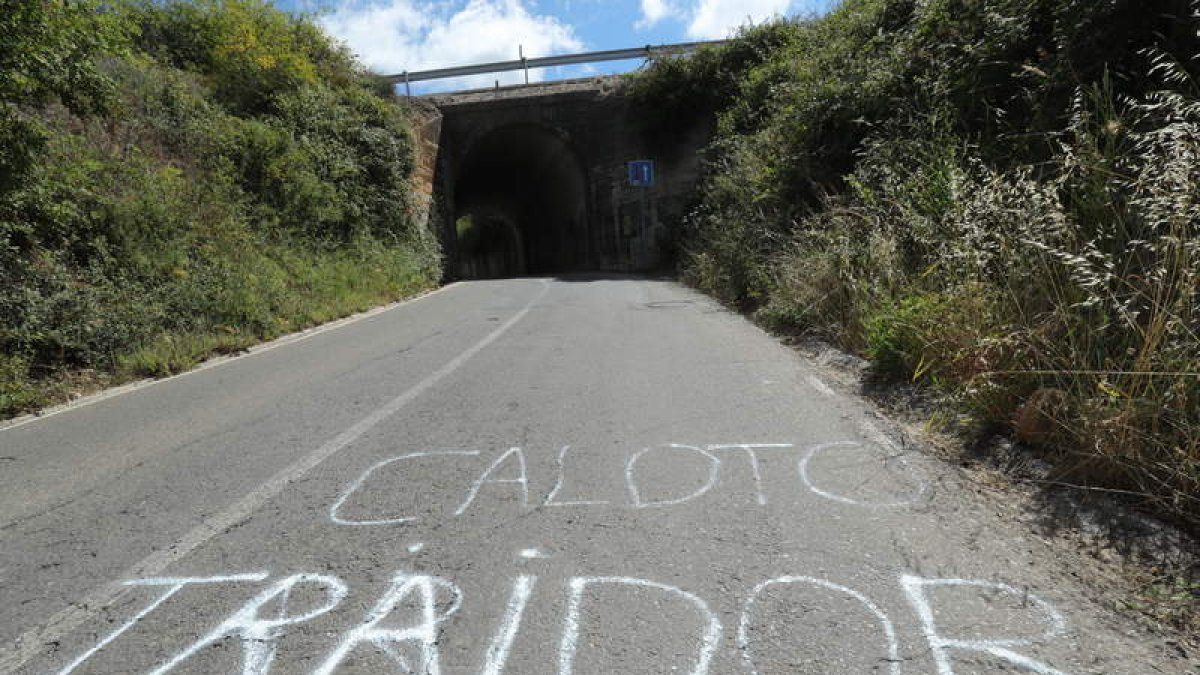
<point x="392" y="36"/>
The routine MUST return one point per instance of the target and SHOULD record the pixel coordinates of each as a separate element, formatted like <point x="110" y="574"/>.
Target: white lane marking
<point x="940" y="646"/>
<point x="416" y="548"/>
<point x="30" y="643"/>
<point x="816" y="383"/>
<point x="889" y="631"/>
<point x="357" y="485"/>
<point x="175" y="585"/>
<point x="534" y="554"/>
<point x="497" y="653"/>
<point x="219" y="361"/>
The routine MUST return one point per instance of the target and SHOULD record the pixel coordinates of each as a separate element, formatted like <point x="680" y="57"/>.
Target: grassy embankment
<point x="182" y="179"/>
<point x="997" y="199"/>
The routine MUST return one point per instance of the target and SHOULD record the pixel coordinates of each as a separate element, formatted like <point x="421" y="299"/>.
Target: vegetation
<point x="999" y="199"/>
<point x="179" y="179"/>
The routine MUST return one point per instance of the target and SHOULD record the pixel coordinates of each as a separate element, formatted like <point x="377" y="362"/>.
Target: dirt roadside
<point x="1135" y="564"/>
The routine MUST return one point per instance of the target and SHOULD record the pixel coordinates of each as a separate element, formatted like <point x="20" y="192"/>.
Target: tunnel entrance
<point x="520" y="205"/>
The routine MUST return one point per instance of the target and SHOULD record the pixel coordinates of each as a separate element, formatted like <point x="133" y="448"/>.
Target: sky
<point x="393" y="36"/>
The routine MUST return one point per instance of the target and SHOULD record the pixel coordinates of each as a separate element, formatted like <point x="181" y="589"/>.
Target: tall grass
<point x="998" y="200"/>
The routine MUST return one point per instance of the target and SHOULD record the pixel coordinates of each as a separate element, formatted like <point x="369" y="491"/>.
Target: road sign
<point x="641" y="173"/>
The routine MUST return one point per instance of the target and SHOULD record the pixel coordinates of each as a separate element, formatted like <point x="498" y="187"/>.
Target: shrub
<point x="16" y="392"/>
<point x="49" y="51"/>
<point x="250" y="51"/>
<point x="996" y="199"/>
<point x="242" y="177"/>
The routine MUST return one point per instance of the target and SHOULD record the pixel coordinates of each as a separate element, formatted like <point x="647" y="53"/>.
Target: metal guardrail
<point x="648" y="52"/>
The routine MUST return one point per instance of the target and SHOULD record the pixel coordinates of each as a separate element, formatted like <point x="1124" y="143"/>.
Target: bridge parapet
<point x="602" y="84"/>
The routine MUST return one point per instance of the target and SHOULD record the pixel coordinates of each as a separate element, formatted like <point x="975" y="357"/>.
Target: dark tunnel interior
<point x="520" y="206"/>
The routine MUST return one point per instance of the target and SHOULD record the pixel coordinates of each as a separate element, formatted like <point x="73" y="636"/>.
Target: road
<point x="580" y="475"/>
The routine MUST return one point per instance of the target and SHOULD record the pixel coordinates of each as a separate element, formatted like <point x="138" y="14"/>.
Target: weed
<point x="206" y="175"/>
<point x="998" y="200"/>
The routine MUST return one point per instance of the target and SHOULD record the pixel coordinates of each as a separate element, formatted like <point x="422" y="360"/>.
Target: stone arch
<point x="520" y="203"/>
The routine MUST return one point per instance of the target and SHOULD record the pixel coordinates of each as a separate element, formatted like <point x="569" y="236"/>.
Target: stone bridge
<point x="535" y="179"/>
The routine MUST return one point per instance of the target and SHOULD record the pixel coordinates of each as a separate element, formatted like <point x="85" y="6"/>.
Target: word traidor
<point x="408" y="620"/>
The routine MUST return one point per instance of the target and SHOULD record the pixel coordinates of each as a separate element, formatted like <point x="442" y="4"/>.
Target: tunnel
<point x="520" y="205"/>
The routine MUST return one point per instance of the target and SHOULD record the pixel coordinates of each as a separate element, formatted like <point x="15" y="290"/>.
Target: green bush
<point x="16" y="390"/>
<point x="182" y="179"/>
<point x="942" y="338"/>
<point x="996" y="199"/>
<point x="49" y="51"/>
<point x="249" y="51"/>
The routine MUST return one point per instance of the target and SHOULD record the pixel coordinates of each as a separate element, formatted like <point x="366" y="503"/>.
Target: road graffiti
<point x="497" y="654"/>
<point x="173" y="586"/>
<point x="415" y="612"/>
<point x="921" y="489"/>
<point x="258" y="634"/>
<point x="510" y="470"/>
<point x="917" y="590"/>
<point x="551" y="499"/>
<point x="334" y="511"/>
<point x="892" y="653"/>
<point x="424" y="632"/>
<point x="411" y="618"/>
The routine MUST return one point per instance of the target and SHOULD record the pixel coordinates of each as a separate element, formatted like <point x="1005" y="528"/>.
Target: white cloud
<point x="392" y="36"/>
<point x="654" y="11"/>
<point x="715" y="19"/>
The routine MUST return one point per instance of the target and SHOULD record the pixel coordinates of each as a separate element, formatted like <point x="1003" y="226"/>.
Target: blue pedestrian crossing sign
<point x="641" y="173"/>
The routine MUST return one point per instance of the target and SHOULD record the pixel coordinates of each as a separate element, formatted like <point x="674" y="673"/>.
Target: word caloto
<point x="510" y="470"/>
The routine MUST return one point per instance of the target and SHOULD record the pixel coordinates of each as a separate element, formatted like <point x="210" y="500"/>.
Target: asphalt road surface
<point x="581" y="475"/>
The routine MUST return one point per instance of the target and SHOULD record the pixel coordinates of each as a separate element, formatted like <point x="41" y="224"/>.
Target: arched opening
<point x="520" y="205"/>
<point x="490" y="246"/>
